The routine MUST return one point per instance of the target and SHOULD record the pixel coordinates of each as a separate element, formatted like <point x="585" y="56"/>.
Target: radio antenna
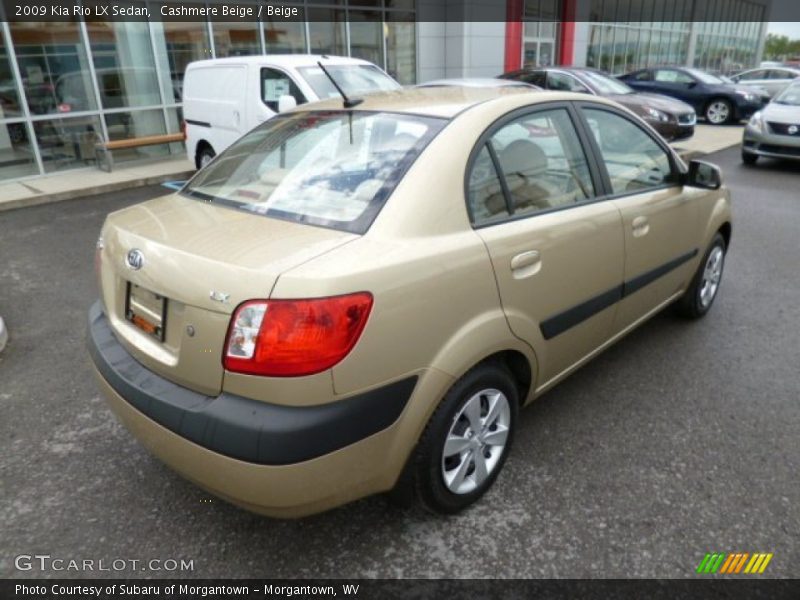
<point x="348" y="102"/>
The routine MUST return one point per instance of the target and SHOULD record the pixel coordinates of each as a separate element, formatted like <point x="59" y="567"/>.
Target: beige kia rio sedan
<point x="356" y="300"/>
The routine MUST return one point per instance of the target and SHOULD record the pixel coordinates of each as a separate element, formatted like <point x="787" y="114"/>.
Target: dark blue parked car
<point x="719" y="102"/>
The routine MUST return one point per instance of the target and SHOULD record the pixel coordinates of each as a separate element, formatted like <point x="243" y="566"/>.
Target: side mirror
<point x="692" y="84"/>
<point x="704" y="175"/>
<point x="286" y="102"/>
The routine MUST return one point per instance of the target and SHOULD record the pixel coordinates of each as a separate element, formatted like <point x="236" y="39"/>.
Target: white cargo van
<point x="224" y="98"/>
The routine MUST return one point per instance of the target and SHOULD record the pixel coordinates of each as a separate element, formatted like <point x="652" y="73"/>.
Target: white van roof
<point x="281" y="60"/>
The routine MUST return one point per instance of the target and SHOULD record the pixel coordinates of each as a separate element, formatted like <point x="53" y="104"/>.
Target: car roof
<point x="283" y="60"/>
<point x="446" y="102"/>
<point x="476" y="82"/>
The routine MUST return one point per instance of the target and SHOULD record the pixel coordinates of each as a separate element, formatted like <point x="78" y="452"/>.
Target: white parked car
<point x="224" y="98"/>
<point x="774" y="80"/>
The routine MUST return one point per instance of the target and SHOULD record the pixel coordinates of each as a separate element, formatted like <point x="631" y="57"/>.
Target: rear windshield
<point x="333" y="169"/>
<point x="353" y="79"/>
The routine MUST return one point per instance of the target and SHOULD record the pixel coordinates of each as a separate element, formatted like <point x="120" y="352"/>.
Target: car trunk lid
<point x="192" y="264"/>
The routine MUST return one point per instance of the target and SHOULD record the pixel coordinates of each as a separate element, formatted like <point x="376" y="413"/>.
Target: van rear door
<point x="213" y="100"/>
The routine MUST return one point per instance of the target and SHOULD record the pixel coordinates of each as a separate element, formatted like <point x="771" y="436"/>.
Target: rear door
<point x="557" y="252"/>
<point x="659" y="217"/>
<point x="214" y="100"/>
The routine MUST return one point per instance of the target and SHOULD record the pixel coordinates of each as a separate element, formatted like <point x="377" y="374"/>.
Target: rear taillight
<point x="288" y="338"/>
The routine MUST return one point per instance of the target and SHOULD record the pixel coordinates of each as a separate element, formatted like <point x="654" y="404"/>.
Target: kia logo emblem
<point x="793" y="129"/>
<point x="135" y="259"/>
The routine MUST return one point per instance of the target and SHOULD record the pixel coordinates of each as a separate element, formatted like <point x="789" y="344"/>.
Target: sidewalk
<point x="86" y="182"/>
<point x="90" y="181"/>
<point x="708" y="139"/>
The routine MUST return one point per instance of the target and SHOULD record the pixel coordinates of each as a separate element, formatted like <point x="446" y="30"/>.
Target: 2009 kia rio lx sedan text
<point x="351" y="301"/>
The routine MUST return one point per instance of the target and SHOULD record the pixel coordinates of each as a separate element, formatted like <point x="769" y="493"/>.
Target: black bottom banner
<point x="423" y="589"/>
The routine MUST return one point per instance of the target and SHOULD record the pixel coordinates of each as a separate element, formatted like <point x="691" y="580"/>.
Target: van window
<point x="274" y="84"/>
<point x="328" y="168"/>
<point x="353" y="79"/>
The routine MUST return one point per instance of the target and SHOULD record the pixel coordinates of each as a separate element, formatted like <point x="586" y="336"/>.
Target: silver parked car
<point x="773" y="80"/>
<point x="775" y="130"/>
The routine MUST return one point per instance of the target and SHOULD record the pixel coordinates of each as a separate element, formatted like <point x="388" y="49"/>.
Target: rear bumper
<point x="275" y="459"/>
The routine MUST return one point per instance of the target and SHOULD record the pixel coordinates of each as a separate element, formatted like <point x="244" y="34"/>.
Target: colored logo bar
<point x="739" y="562"/>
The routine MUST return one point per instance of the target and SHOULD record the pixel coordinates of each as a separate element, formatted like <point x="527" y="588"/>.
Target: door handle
<point x="526" y="264"/>
<point x="640" y="226"/>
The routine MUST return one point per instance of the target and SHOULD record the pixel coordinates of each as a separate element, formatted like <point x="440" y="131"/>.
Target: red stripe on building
<point x="513" y="57"/>
<point x="566" y="45"/>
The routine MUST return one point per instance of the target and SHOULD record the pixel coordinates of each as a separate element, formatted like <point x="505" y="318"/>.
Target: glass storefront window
<point x="53" y="66"/>
<point x="327" y="36"/>
<point x="401" y="50"/>
<point x="67" y="143"/>
<point x="80" y="82"/>
<point x="177" y="44"/>
<point x="9" y="94"/>
<point x="236" y="39"/>
<point x="366" y="36"/>
<point x="16" y="152"/>
<point x="124" y="63"/>
<point x="285" y="37"/>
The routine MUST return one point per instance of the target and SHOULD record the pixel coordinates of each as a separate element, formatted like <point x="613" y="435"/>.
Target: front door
<point x="557" y="253"/>
<point x="659" y="218"/>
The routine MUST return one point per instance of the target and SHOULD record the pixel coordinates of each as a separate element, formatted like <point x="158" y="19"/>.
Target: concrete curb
<point x="92" y="191"/>
<point x="3" y="334"/>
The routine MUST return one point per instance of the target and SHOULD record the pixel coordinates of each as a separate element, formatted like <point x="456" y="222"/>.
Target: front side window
<point x="333" y="169"/>
<point x="353" y="79"/>
<point x="541" y="163"/>
<point x="643" y="76"/>
<point x="274" y="84"/>
<point x="633" y="159"/>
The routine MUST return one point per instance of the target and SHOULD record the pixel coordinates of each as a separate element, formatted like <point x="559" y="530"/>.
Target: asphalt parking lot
<point x="680" y="440"/>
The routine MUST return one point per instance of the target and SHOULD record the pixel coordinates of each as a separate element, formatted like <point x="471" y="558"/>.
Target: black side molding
<point x="558" y="324"/>
<point x="248" y="430"/>
<point x="638" y="282"/>
<point x="198" y="123"/>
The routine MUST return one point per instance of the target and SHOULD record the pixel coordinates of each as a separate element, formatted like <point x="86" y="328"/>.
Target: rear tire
<point x="204" y="156"/>
<point x="719" y="111"/>
<point x="467" y="440"/>
<point x="748" y="158"/>
<point x="699" y="298"/>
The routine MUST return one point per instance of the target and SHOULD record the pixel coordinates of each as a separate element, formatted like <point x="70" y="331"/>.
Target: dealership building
<point x="64" y="85"/>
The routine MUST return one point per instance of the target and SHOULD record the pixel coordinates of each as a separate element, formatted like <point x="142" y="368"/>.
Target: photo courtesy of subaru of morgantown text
<point x="359" y="295"/>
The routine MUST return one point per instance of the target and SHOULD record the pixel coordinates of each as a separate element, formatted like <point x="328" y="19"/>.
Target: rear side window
<point x="541" y="163"/>
<point x="671" y="76"/>
<point x="333" y="169"/>
<point x="565" y="83"/>
<point x="274" y="84"/>
<point x="633" y="159"/>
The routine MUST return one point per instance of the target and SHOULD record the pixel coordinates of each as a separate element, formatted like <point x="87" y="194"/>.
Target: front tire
<point x="467" y="440"/>
<point x="748" y="158"/>
<point x="719" y="111"/>
<point x="699" y="298"/>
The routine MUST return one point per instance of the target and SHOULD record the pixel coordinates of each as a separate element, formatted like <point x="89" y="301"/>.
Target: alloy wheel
<point x="476" y="441"/>
<point x="718" y="112"/>
<point x="712" y="274"/>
